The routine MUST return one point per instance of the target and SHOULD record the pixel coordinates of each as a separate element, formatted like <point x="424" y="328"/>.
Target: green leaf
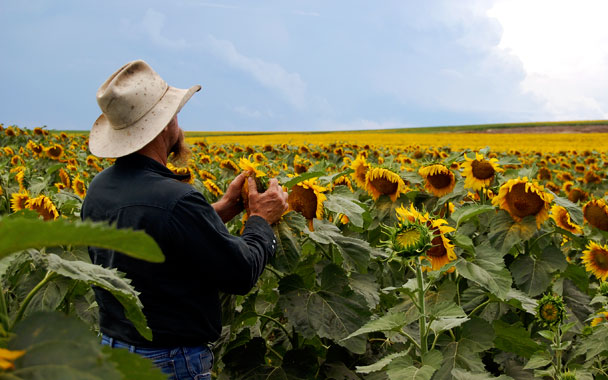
<point x="533" y="275"/>
<point x="464" y="242"/>
<point x="477" y="336"/>
<point x="392" y="321"/>
<point x="289" y="250"/>
<point x="133" y="366"/>
<point x="380" y="364"/>
<point x="17" y="234"/>
<point x="59" y="347"/>
<point x="334" y="311"/>
<point x="446" y="315"/>
<point x="50" y="296"/>
<point x="411" y="373"/>
<point x="514" y="338"/>
<point x="460" y="374"/>
<point x="470" y="211"/>
<point x="522" y="301"/>
<point x="575" y="211"/>
<point x="346" y="206"/>
<point x="594" y="344"/>
<point x="433" y="358"/>
<point x="487" y="269"/>
<point x="104" y="278"/>
<point x="538" y="359"/>
<point x="356" y="252"/>
<point x="366" y="285"/>
<point x="505" y="232"/>
<point x="308" y="175"/>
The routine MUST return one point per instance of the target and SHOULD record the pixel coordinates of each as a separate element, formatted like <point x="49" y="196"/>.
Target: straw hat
<point x="137" y="104"/>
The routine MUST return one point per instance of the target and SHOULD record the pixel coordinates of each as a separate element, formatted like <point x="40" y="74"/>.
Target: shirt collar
<point x="137" y="160"/>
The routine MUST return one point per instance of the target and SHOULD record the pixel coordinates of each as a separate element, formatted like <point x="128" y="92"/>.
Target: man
<point x="139" y="126"/>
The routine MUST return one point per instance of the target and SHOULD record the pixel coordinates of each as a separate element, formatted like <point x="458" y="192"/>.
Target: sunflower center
<point x="55" y="151"/>
<point x="600" y="260"/>
<point x="548" y="312"/>
<point x="439" y="180"/>
<point x="408" y="238"/>
<point x="482" y="169"/>
<point x="384" y="186"/>
<point x="438" y="250"/>
<point x="523" y="203"/>
<point x="575" y="195"/>
<point x="303" y="201"/>
<point x="565" y="220"/>
<point x="597" y="217"/>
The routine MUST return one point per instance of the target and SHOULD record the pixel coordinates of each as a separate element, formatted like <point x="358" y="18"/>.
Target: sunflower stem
<point x="558" y="351"/>
<point x="291" y="340"/>
<point x="421" y="309"/>
<point x="49" y="275"/>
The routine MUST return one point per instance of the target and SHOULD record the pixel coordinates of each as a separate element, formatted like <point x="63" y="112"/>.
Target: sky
<point x="311" y="65"/>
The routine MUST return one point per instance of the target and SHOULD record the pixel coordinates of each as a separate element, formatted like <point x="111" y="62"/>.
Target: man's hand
<point x="230" y="204"/>
<point x="270" y="204"/>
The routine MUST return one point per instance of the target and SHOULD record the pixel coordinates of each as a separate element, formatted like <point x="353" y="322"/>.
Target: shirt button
<point x="274" y="241"/>
<point x="272" y="246"/>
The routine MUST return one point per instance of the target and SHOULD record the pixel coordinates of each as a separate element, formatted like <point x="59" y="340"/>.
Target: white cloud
<point x="153" y="24"/>
<point x="269" y="74"/>
<point x="563" y="48"/>
<point x="253" y="113"/>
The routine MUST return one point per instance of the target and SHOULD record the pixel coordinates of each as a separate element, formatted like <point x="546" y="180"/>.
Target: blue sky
<point x="312" y="65"/>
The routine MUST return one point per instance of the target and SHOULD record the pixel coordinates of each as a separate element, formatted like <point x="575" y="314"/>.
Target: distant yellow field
<point x="543" y="142"/>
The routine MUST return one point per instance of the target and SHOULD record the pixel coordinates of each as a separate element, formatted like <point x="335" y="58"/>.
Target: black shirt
<point x="180" y="295"/>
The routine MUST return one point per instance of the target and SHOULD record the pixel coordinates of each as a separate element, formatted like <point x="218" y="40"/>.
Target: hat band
<point x="131" y="122"/>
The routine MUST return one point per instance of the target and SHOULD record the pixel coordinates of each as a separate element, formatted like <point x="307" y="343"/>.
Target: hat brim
<point x="105" y="141"/>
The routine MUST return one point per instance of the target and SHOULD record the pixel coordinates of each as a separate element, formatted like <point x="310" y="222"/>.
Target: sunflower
<point x="521" y="198"/>
<point x="577" y="194"/>
<point x="18" y="201"/>
<point x="250" y="167"/>
<point x="204" y="174"/>
<point x="595" y="259"/>
<point x="360" y="166"/>
<point x="601" y="318"/>
<point x="36" y="148"/>
<point x="8" y="151"/>
<point x="343" y="181"/>
<point x="408" y="239"/>
<point x="550" y="311"/>
<point x="54" y="152"/>
<point x="479" y="172"/>
<point x="204" y="159"/>
<point x="43" y="206"/>
<point x="562" y="219"/>
<point x="442" y="250"/>
<point x="79" y="187"/>
<point x="213" y="188"/>
<point x="438" y="180"/>
<point x="307" y="198"/>
<point x="64" y="177"/>
<point x="380" y="181"/>
<point x="16" y="160"/>
<point x="300" y="165"/>
<point x="596" y="214"/>
<point x="229" y="165"/>
<point x="591" y="177"/>
<point x="7" y="357"/>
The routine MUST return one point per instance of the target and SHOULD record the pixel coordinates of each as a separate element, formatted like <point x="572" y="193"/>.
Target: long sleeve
<point x="233" y="263"/>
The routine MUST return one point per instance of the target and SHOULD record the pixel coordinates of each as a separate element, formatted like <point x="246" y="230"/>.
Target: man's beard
<point x="180" y="151"/>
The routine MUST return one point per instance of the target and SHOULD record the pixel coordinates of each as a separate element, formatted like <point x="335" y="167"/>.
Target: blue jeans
<point x="180" y="363"/>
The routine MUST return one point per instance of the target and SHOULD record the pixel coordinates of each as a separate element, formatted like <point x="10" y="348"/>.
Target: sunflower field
<point x="402" y="261"/>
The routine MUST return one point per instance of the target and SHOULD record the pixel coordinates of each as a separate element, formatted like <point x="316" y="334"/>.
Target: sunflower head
<point x="596" y="214"/>
<point x="229" y="165"/>
<point x="18" y="201"/>
<point x="380" y="181"/>
<point x="441" y="251"/>
<point x="79" y="187"/>
<point x="550" y="311"/>
<point x="521" y="198"/>
<point x="438" y="179"/>
<point x="595" y="258"/>
<point x="307" y="198"/>
<point x="408" y="239"/>
<point x="247" y="165"/>
<point x="54" y="152"/>
<point x="43" y="206"/>
<point x="360" y="167"/>
<point x="561" y="217"/>
<point x="601" y="317"/>
<point x="213" y="188"/>
<point x="479" y="172"/>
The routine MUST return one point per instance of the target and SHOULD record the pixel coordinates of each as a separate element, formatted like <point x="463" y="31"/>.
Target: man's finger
<point x="253" y="189"/>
